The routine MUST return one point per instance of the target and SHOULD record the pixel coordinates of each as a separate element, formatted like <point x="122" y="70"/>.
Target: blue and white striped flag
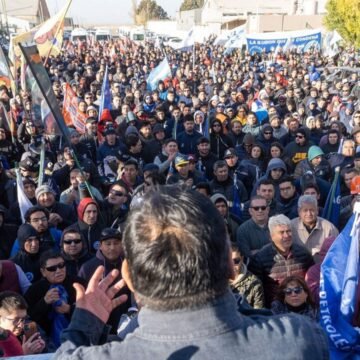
<point x="161" y="72"/>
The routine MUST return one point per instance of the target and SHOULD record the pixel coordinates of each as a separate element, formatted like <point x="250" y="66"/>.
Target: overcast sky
<point x="114" y="12"/>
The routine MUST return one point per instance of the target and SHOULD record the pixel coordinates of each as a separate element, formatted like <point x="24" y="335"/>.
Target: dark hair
<point x="265" y="182"/>
<point x="10" y="300"/>
<point x="177" y="250"/>
<point x="132" y="161"/>
<point x="281" y="295"/>
<point x="156" y="178"/>
<point x="203" y="185"/>
<point x="168" y="141"/>
<point x="35" y="209"/>
<point x="131" y="140"/>
<point x="311" y="186"/>
<point x="47" y="255"/>
<point x="286" y="178"/>
<point x="188" y="117"/>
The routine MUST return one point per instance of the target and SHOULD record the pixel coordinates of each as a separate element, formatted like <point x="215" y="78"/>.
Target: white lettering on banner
<point x="331" y="330"/>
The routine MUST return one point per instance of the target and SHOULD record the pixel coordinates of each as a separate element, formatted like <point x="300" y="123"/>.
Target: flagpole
<point x="57" y="31"/>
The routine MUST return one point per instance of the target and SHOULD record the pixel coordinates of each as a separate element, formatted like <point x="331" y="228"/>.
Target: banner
<point x="305" y="40"/>
<point x="43" y="83"/>
<point x="339" y="280"/>
<point x="161" y="72"/>
<point x="47" y="36"/>
<point x="24" y="203"/>
<point x="5" y="75"/>
<point x="72" y="116"/>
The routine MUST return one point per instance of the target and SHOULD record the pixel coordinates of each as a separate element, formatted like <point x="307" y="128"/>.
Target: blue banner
<point x="269" y="42"/>
<point x="338" y="292"/>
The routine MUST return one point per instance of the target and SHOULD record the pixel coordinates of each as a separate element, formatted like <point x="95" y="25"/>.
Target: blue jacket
<point x="188" y="142"/>
<point x="215" y="330"/>
<point x="54" y="233"/>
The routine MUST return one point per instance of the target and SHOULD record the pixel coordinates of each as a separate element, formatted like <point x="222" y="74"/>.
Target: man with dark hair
<point x="111" y="255"/>
<point x="177" y="262"/>
<point x="188" y="139"/>
<point x="38" y="217"/>
<point x="52" y="297"/>
<point x="206" y="158"/>
<point x="13" y="312"/>
<point x="288" y="198"/>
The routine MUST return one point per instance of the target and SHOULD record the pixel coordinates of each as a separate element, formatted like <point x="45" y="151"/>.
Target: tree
<point x="191" y="4"/>
<point x="149" y="10"/>
<point x="344" y="16"/>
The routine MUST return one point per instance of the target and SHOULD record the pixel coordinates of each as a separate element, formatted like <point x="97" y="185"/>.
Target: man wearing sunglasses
<point x="74" y="250"/>
<point x="297" y="150"/>
<point x="53" y="294"/>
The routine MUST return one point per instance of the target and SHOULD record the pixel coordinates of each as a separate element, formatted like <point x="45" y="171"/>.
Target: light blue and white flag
<point x="161" y="72"/>
<point x="24" y="203"/>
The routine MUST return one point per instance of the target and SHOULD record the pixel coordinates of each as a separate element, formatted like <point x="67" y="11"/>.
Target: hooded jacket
<point x="73" y="265"/>
<point x="29" y="263"/>
<point x="91" y="233"/>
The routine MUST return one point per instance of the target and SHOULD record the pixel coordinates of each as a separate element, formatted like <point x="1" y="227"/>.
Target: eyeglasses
<point x="55" y="267"/>
<point x="299" y="136"/>
<point x="16" y="321"/>
<point x="297" y="290"/>
<point x="73" y="241"/>
<point x="257" y="208"/>
<point x="237" y="261"/>
<point x="116" y="193"/>
<point x="37" y="220"/>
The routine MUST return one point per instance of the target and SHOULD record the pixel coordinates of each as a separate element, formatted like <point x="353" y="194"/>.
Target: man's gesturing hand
<point x="98" y="298"/>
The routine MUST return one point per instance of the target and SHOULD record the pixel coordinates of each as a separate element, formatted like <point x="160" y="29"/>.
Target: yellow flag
<point x="47" y="36"/>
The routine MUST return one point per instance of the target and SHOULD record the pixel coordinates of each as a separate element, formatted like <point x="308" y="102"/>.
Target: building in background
<point x="259" y="15"/>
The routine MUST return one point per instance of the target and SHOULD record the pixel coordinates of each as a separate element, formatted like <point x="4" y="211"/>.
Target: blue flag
<point x="338" y="287"/>
<point x="105" y="100"/>
<point x="331" y="209"/>
<point x="161" y="72"/>
<point x="236" y="204"/>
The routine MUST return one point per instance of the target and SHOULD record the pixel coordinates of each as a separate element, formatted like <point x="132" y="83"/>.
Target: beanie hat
<point x="43" y="189"/>
<point x="216" y="197"/>
<point x="25" y="231"/>
<point x="84" y="203"/>
<point x="314" y="151"/>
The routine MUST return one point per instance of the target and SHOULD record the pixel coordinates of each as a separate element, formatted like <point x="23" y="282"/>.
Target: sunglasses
<point x="267" y="133"/>
<point x="237" y="261"/>
<point x="73" y="241"/>
<point x="299" y="136"/>
<point x="216" y="125"/>
<point x="55" y="267"/>
<point x="257" y="208"/>
<point x="117" y="193"/>
<point x="297" y="290"/>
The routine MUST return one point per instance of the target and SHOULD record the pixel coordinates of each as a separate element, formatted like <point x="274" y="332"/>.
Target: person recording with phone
<point x="17" y="336"/>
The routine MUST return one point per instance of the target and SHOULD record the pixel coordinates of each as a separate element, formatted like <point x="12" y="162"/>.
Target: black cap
<point x="110" y="233"/>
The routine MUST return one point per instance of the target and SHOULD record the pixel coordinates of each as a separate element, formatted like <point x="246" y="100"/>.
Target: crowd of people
<point x="248" y="146"/>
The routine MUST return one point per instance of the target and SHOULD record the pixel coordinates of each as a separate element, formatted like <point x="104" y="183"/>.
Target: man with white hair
<point x="308" y="228"/>
<point x="279" y="259"/>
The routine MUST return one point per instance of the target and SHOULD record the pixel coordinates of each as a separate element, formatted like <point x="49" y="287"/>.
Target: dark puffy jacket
<point x="323" y="170"/>
<point x="187" y="142"/>
<point x="272" y="267"/>
<point x="227" y="189"/>
<point x="88" y="269"/>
